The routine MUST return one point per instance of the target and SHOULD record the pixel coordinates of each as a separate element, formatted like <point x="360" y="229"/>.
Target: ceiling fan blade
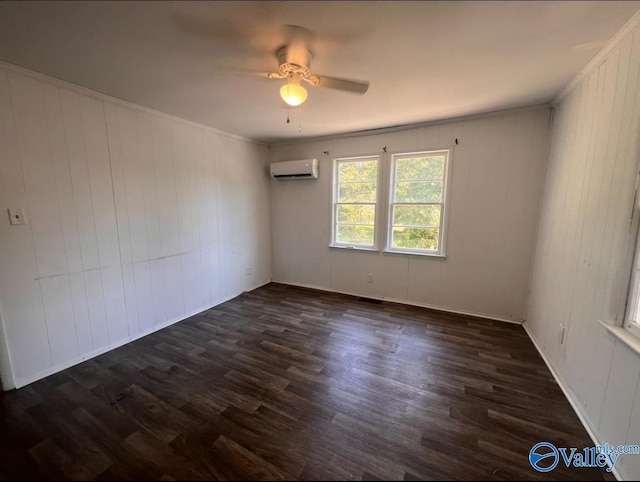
<point x="221" y="70"/>
<point x="354" y="86"/>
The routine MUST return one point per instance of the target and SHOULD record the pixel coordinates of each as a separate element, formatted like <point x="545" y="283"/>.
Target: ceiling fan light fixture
<point x="293" y="93"/>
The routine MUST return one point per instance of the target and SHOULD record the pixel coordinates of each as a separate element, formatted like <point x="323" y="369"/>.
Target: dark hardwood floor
<point x="292" y="383"/>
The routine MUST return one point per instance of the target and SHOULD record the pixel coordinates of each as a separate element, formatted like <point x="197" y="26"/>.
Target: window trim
<point x="624" y="335"/>
<point x="446" y="190"/>
<point x="334" y="203"/>
<point x="632" y="293"/>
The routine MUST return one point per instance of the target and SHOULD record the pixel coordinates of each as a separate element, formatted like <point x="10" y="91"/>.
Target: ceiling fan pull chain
<point x="288" y="115"/>
<point x="299" y="120"/>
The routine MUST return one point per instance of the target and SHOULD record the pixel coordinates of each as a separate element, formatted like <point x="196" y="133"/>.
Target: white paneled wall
<point x="135" y="220"/>
<point x="498" y="173"/>
<point x="582" y="265"/>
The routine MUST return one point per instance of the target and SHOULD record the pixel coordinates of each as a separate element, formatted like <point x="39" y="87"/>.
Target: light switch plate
<point x="16" y="216"/>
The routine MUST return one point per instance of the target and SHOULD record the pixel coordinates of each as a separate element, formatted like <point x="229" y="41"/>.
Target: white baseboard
<point x="400" y="301"/>
<point x="573" y="400"/>
<point x="21" y="382"/>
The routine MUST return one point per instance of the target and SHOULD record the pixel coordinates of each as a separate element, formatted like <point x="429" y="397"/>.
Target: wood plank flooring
<point x="292" y="383"/>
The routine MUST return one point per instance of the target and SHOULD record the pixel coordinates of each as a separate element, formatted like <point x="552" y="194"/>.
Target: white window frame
<point x="631" y="320"/>
<point x="440" y="252"/>
<point x="334" y="204"/>
<point x="623" y="326"/>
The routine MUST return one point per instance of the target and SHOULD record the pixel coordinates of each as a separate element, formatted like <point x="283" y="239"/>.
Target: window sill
<point x="355" y="248"/>
<point x="622" y="334"/>
<point x="410" y="253"/>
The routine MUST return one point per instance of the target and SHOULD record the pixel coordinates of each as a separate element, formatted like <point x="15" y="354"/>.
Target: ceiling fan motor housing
<point x="294" y="61"/>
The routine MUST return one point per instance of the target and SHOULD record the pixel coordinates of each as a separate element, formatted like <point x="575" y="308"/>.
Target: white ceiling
<point x="425" y="60"/>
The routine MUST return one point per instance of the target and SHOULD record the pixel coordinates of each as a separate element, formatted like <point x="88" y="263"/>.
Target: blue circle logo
<point x="544" y="457"/>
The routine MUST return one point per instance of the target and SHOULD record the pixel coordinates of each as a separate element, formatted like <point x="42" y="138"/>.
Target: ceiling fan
<point x="294" y="64"/>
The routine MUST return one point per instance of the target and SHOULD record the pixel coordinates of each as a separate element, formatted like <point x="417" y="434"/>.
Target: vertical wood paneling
<point x="498" y="170"/>
<point x="628" y="151"/>
<point x="64" y="189"/>
<point x="123" y="210"/>
<point x="81" y="312"/>
<point x="26" y="330"/>
<point x="97" y="312"/>
<point x="506" y="165"/>
<point x="144" y="295"/>
<point x="118" y="182"/>
<point x="195" y="216"/>
<point x="9" y="168"/>
<point x="182" y="171"/>
<point x="485" y="168"/>
<point x="80" y="179"/>
<point x="581" y="266"/>
<point x="202" y="219"/>
<point x="617" y="167"/>
<point x="618" y="66"/>
<point x="632" y="466"/>
<point x="114" y="302"/>
<point x="585" y="230"/>
<point x="13" y="193"/>
<point x="532" y="201"/>
<point x="602" y="353"/>
<point x="226" y="193"/>
<point x="158" y="292"/>
<point x="210" y="190"/>
<point x="131" y="300"/>
<point x="174" y="294"/>
<point x="22" y="311"/>
<point x="133" y="173"/>
<point x="58" y="312"/>
<point x="166" y="187"/>
<point x="189" y="282"/>
<point x="513" y="198"/>
<point x="620" y="394"/>
<point x="96" y="147"/>
<point x="149" y="188"/>
<point x="39" y="175"/>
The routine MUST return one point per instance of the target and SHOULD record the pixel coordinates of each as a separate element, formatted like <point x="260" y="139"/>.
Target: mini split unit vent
<point x="305" y="169"/>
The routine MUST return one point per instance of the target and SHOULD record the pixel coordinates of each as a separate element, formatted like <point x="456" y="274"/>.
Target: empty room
<point x="320" y="240"/>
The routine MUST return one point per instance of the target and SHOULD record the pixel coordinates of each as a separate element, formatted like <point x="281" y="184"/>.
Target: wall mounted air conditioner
<point x="305" y="169"/>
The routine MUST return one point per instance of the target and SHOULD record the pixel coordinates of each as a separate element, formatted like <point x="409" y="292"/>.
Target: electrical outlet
<point x="369" y="278"/>
<point x="561" y="334"/>
<point x="16" y="216"/>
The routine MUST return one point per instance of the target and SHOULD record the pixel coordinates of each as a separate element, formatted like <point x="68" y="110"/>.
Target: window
<point x="354" y="203"/>
<point x="416" y="207"/>
<point x="627" y="330"/>
<point x="417" y="202"/>
<point x="632" y="311"/>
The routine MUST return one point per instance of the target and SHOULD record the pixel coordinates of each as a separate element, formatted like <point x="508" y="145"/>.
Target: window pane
<point x="418" y="192"/>
<point x="634" y="298"/>
<point x="356" y="183"/>
<point x="356" y="214"/>
<point x="420" y="216"/>
<point x="420" y="168"/>
<point x="359" y="192"/>
<point x="349" y="234"/>
<point x="416" y="238"/>
<point x="357" y="171"/>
